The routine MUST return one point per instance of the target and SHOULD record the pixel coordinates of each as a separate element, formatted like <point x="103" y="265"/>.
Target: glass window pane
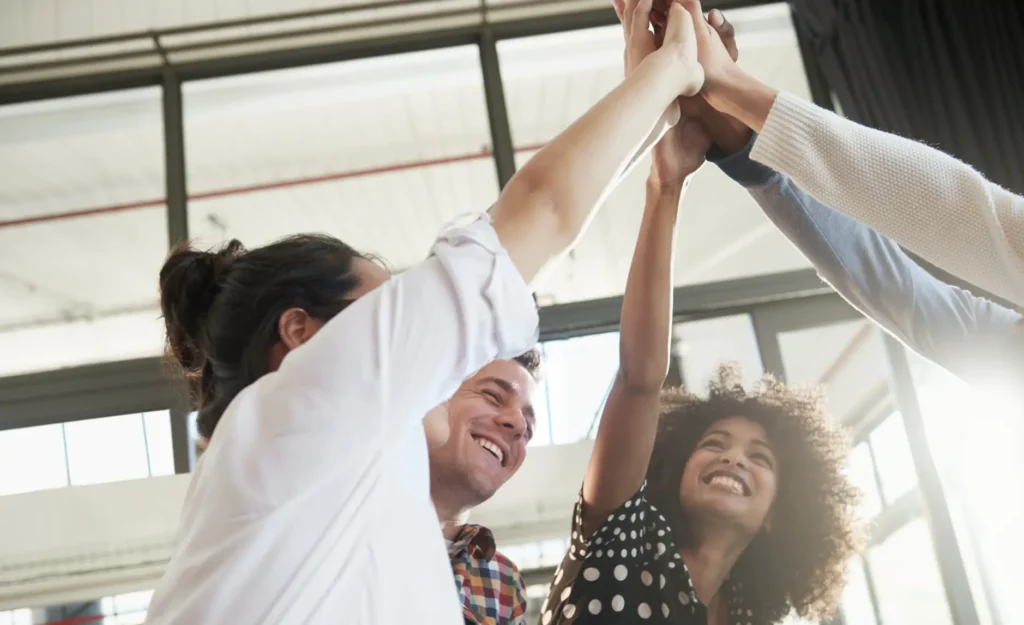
<point x="907" y="578"/>
<point x="106" y="450"/>
<point x="892" y="455"/>
<point x="862" y="473"/>
<point x="158" y="442"/>
<point x="847" y="358"/>
<point x="551" y="80"/>
<point x="857" y="608"/>
<point x="130" y="608"/>
<point x="32" y="459"/>
<point x="380" y="152"/>
<point x="85" y="176"/>
<point x="975" y="434"/>
<point x="578" y="374"/>
<point x="16" y="617"/>
<point x="704" y="345"/>
<point x="536" y="555"/>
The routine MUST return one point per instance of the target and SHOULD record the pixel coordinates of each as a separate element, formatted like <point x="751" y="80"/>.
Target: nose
<point x="734" y="457"/>
<point x="512" y="419"/>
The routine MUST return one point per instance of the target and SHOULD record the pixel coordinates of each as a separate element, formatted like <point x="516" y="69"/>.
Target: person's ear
<point x="295" y="326"/>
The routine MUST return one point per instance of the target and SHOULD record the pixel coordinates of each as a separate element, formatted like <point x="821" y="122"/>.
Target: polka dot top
<point x="630" y="571"/>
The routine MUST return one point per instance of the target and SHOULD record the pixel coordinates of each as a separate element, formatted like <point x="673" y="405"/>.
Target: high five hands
<point x="710" y="43"/>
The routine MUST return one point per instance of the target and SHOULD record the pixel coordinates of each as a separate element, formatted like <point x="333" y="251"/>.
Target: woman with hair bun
<point x="312" y="371"/>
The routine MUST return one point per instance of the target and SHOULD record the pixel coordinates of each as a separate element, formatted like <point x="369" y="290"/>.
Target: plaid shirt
<point x="491" y="588"/>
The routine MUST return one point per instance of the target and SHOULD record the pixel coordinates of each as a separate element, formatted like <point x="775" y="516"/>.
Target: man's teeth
<point x="728" y="483"/>
<point x="491" y="447"/>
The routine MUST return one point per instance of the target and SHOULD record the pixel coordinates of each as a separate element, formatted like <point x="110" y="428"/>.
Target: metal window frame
<point x="772" y="320"/>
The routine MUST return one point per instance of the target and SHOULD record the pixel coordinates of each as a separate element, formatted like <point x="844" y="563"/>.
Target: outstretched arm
<point x="925" y="200"/>
<point x="629" y="423"/>
<point x="551" y="199"/>
<point x="979" y="340"/>
<point x="625" y="436"/>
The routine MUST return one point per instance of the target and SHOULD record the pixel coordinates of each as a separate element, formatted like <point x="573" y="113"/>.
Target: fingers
<point x="628" y="10"/>
<point x="693" y="8"/>
<point x="725" y="30"/>
<point x="620" y="8"/>
<point x="641" y="18"/>
<point x="680" y="32"/>
<point x="679" y="28"/>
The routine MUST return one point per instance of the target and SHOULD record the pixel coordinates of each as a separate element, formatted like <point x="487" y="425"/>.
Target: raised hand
<point x="635" y="18"/>
<point x="715" y="57"/>
<point x="680" y="151"/>
<point x="726" y="132"/>
<point x="681" y="39"/>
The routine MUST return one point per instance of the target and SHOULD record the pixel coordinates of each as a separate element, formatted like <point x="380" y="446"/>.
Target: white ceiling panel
<point x="379" y="152"/>
<point x="28" y="22"/>
<point x="62" y="157"/>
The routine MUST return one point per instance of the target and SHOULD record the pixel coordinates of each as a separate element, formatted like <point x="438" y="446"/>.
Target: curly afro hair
<point x="801" y="564"/>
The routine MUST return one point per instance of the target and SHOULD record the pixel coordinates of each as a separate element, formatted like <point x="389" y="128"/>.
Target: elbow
<point x="646" y="378"/>
<point x="534" y="191"/>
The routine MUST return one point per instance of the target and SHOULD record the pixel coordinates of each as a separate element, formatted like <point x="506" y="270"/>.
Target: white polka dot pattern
<point x="620" y="574"/>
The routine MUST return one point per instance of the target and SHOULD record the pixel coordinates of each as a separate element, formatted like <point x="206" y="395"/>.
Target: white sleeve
<point x="405" y="347"/>
<point x="925" y="200"/>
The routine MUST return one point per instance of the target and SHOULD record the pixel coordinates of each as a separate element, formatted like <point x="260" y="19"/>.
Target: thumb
<point x="726" y="31"/>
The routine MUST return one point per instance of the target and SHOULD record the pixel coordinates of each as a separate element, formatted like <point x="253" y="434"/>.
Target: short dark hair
<point x="221" y="309"/>
<point x="801" y="564"/>
<point x="533" y="362"/>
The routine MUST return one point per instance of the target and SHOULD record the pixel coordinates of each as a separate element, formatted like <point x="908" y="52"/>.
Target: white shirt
<point x="312" y="503"/>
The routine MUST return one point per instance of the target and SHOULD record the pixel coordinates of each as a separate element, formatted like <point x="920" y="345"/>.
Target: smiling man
<point x="491" y="421"/>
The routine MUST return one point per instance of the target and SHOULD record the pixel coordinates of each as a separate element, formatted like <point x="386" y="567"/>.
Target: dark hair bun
<point x="189" y="282"/>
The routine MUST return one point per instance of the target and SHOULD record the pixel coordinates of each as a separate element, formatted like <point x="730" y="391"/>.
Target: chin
<point x="732" y="511"/>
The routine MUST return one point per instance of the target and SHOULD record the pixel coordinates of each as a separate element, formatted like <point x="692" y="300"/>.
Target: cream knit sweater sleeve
<point x="927" y="201"/>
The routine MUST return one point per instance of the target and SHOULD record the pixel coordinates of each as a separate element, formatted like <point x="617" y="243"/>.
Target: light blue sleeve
<point x="980" y="341"/>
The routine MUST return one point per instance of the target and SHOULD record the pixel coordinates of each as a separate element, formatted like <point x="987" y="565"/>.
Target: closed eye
<point x="763" y="459"/>
<point x="713" y="443"/>
<point x="491" y="395"/>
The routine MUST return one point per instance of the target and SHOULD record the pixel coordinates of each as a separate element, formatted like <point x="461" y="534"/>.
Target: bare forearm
<point x="551" y="199"/>
<point x="629" y="422"/>
<point x="646" y="325"/>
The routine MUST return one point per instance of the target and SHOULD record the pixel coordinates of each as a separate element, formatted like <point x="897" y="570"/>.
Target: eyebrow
<point x="728" y="435"/>
<point x="511" y="389"/>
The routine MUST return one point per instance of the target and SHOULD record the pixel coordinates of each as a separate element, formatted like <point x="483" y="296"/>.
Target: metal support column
<point x="177" y="231"/>
<point x="181" y="440"/>
<point x="768" y="347"/>
<point x="497" y="113"/>
<point x="174" y="157"/>
<point x="951" y="562"/>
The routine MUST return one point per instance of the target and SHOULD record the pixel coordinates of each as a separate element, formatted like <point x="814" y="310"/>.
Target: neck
<point x="710" y="557"/>
<point x="450" y="513"/>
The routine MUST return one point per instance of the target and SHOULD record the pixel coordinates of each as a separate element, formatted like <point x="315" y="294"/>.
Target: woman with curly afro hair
<point x="730" y="509"/>
<point x="726" y="510"/>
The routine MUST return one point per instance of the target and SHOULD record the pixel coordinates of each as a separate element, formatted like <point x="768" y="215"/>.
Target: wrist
<point x="741" y="96"/>
<point x="665" y="191"/>
<point x="728" y="134"/>
<point x="686" y="75"/>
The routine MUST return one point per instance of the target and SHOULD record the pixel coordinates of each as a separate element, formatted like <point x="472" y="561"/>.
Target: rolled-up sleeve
<point x="405" y="347"/>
